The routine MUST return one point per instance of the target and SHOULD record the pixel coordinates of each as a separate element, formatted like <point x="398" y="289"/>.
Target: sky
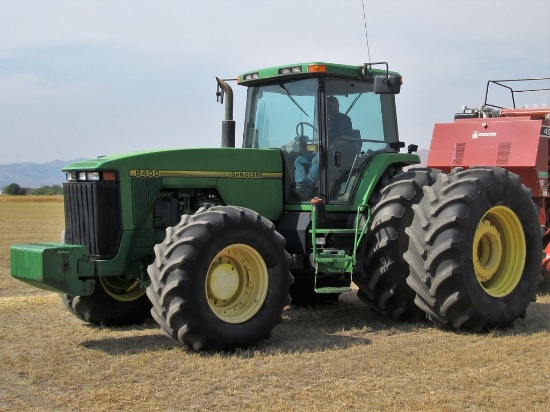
<point x="80" y="79"/>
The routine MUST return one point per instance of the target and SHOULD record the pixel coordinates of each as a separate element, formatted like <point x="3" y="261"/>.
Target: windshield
<point x="328" y="130"/>
<point x="273" y="113"/>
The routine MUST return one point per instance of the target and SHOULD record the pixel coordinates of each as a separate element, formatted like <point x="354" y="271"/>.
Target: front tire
<point x="114" y="302"/>
<point x="220" y="279"/>
<point x="475" y="252"/>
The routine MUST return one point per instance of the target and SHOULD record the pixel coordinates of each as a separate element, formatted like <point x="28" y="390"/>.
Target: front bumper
<point x="57" y="267"/>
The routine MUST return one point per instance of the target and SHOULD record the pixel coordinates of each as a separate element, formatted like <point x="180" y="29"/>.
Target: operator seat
<point x="347" y="148"/>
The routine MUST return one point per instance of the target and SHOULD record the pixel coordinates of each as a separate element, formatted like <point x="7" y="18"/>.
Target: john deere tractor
<point x="214" y="243"/>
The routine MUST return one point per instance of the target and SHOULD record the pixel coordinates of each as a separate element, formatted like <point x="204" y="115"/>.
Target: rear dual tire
<point x="382" y="282"/>
<point x="474" y="249"/>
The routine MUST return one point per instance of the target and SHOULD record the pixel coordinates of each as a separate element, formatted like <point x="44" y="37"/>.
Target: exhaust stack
<point x="228" y="124"/>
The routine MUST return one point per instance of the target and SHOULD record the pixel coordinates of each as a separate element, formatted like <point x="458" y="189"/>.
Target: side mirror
<point x="387" y="84"/>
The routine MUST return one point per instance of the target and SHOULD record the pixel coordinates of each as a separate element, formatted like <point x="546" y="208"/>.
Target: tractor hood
<point x="251" y="178"/>
<point x="211" y="159"/>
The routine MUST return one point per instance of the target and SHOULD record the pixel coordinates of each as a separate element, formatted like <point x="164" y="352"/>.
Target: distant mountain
<point x="33" y="175"/>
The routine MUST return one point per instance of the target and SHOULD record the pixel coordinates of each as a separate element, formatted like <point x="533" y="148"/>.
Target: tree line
<point x="15" y="190"/>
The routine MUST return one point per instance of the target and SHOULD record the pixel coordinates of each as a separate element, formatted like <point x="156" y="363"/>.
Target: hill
<point x="33" y="175"/>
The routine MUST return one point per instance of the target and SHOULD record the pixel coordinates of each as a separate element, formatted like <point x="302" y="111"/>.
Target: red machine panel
<point x="518" y="144"/>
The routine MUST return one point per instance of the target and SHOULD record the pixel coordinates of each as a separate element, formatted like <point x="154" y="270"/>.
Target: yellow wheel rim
<point x="236" y="283"/>
<point x="121" y="290"/>
<point x="499" y="251"/>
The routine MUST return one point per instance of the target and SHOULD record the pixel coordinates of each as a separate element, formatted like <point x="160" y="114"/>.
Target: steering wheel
<point x="301" y="125"/>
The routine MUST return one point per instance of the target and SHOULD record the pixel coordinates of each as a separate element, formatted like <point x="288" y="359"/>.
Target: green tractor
<point x="214" y="243"/>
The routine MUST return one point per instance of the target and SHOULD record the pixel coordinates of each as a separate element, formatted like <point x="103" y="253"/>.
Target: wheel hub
<point x="122" y="290"/>
<point x="488" y="245"/>
<point x="499" y="251"/>
<point x="236" y="283"/>
<point x="224" y="280"/>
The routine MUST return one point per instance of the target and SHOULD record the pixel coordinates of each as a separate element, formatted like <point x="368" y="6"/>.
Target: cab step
<point x="333" y="289"/>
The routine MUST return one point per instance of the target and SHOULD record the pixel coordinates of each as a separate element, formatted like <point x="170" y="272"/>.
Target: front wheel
<point x="115" y="302"/>
<point x="220" y="279"/>
<point x="475" y="252"/>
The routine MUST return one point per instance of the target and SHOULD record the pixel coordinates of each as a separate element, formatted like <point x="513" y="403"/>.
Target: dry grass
<point x="31" y="199"/>
<point x="336" y="357"/>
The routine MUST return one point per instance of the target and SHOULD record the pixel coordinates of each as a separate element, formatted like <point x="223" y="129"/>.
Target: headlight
<point x="251" y="76"/>
<point x="90" y="176"/>
<point x="290" y="70"/>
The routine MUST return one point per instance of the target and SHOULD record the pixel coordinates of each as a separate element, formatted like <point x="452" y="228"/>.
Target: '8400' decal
<point x="205" y="173"/>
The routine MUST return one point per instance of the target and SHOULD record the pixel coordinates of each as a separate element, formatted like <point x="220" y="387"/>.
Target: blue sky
<point x="87" y="78"/>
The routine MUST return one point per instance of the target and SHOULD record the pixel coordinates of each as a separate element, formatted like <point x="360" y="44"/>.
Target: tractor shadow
<point x="337" y="325"/>
<point x="140" y="341"/>
<point x="350" y="323"/>
<point x="332" y="326"/>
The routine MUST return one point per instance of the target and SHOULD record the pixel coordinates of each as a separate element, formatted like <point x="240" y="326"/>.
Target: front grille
<point x="92" y="217"/>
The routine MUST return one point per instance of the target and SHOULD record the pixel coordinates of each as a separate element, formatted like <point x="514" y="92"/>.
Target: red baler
<point x="511" y="138"/>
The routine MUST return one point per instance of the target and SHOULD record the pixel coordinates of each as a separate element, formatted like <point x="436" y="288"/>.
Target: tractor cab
<point x="327" y="120"/>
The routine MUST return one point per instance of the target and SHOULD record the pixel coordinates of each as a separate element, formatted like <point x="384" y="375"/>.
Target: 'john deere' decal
<point x="205" y="173"/>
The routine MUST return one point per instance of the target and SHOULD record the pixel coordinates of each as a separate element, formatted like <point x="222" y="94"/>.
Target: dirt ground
<point x="335" y="357"/>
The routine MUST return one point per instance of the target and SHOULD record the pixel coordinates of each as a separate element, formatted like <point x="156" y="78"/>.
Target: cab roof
<point x="312" y="69"/>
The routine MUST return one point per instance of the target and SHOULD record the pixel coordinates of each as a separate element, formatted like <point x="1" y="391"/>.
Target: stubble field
<point x="334" y="357"/>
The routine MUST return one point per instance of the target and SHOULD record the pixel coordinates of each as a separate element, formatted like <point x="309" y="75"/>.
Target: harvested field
<point x="334" y="357"/>
<point x="31" y="199"/>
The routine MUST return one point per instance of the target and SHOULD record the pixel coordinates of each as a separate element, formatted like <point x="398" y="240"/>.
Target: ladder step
<point x="335" y="259"/>
<point x="333" y="256"/>
<point x="333" y="289"/>
<point x="334" y="231"/>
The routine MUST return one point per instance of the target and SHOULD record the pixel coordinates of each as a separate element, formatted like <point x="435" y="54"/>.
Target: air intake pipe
<point x="228" y="124"/>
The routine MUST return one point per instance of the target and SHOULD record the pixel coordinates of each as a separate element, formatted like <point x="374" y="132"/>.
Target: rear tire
<point x="220" y="279"/>
<point x="382" y="282"/>
<point x="114" y="302"/>
<point x="475" y="250"/>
